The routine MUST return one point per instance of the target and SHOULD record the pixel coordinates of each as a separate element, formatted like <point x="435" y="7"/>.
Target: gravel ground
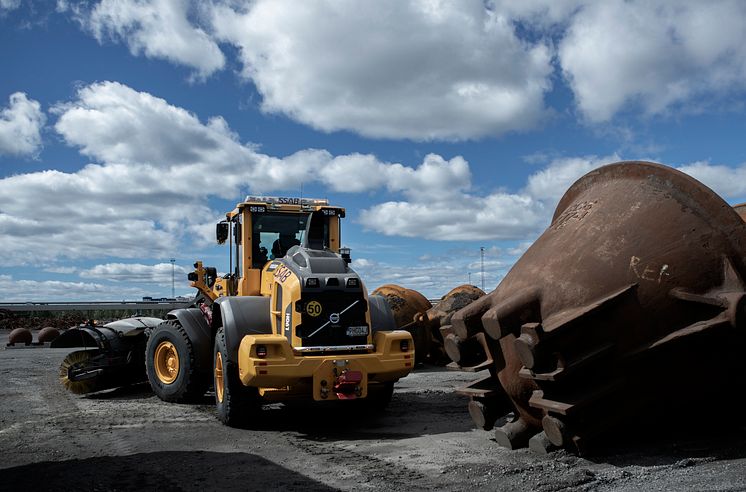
<point x="127" y="439"/>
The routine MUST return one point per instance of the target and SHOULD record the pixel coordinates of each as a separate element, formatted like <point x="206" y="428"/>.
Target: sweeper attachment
<point x="112" y="354"/>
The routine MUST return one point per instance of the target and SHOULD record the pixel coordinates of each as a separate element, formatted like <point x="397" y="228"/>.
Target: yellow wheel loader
<point x="290" y="320"/>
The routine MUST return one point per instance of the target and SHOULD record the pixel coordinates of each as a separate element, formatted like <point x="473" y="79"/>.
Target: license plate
<point x="357" y="331"/>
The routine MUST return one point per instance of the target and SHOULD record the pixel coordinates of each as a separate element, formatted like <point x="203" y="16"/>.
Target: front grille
<point x="335" y="316"/>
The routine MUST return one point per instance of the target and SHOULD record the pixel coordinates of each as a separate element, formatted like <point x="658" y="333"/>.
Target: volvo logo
<point x="334" y="318"/>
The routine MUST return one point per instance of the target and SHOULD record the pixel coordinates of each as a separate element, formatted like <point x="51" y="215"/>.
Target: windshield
<point x="274" y="234"/>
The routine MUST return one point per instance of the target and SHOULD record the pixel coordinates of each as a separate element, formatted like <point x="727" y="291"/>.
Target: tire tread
<point x="195" y="385"/>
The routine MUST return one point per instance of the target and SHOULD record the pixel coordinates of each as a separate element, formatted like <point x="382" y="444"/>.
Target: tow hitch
<point x="347" y="385"/>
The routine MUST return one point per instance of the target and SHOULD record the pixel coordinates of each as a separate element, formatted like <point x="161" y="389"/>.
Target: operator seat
<point x="283" y="244"/>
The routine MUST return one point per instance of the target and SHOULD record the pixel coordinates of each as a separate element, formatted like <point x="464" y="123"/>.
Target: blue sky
<point x="127" y="128"/>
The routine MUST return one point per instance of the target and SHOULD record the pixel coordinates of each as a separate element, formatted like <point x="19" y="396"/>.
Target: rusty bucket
<point x="628" y="311"/>
<point x="408" y="307"/>
<point x="439" y="318"/>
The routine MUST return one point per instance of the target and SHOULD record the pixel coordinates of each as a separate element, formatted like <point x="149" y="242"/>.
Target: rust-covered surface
<point x="408" y="307"/>
<point x="627" y="312"/>
<point x="48" y="334"/>
<point x="438" y="318"/>
<point x="456" y="299"/>
<point x="429" y="324"/>
<point x="20" y="336"/>
<point x="741" y="210"/>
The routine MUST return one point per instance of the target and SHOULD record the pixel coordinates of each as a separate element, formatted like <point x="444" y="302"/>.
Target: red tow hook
<point x="346" y="385"/>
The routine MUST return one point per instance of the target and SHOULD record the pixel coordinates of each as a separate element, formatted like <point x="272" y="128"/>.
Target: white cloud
<point x="467" y="218"/>
<point x="417" y="70"/>
<point x="64" y="270"/>
<point x="158" y="29"/>
<point x="6" y="5"/>
<point x="54" y="290"/>
<point x="157" y="166"/>
<point x="428" y="70"/>
<point x="20" y="126"/>
<point x="549" y="184"/>
<point x="519" y="249"/>
<point x="461" y="215"/>
<point x="111" y="122"/>
<point x="445" y="70"/>
<point x="159" y="273"/>
<point x="540" y="14"/>
<point x="654" y="55"/>
<point x="117" y="125"/>
<point x="520" y="215"/>
<point x="356" y="173"/>
<point x="728" y="182"/>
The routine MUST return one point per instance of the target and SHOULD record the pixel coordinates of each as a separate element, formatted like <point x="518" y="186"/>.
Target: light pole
<point x="469" y="274"/>
<point x="173" y="290"/>
<point x="481" y="253"/>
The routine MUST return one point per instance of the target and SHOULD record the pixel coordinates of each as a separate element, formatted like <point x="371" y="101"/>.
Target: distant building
<point x="167" y="299"/>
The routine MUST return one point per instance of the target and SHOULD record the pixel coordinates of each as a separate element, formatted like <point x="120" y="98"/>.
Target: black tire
<point x="185" y="383"/>
<point x="379" y="396"/>
<point x="381" y="316"/>
<point x="235" y="403"/>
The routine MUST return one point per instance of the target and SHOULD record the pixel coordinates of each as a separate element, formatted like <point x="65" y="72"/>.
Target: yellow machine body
<point x="278" y="361"/>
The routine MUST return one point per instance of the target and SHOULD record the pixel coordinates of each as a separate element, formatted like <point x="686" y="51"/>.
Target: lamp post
<point x="173" y="289"/>
<point x="481" y="253"/>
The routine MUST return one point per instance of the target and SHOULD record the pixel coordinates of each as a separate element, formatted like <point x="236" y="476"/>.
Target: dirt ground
<point x="127" y="439"/>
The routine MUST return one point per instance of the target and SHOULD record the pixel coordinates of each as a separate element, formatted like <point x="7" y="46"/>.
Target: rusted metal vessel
<point x="456" y="299"/>
<point x="48" y="334"/>
<point x="438" y="318"/>
<point x="430" y="325"/>
<point x="626" y="313"/>
<point x="408" y="307"/>
<point x="20" y="336"/>
<point x="741" y="210"/>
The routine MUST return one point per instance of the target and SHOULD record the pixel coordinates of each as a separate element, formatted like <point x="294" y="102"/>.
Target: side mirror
<point x="221" y="232"/>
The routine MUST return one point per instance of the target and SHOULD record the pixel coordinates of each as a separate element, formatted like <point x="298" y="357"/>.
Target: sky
<point x="128" y="128"/>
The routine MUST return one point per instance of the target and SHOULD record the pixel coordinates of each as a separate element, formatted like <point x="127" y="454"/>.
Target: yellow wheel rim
<point x="166" y="362"/>
<point x="219" y="390"/>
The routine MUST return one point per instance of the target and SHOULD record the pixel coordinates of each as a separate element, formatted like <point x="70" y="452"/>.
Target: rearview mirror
<point x="221" y="232"/>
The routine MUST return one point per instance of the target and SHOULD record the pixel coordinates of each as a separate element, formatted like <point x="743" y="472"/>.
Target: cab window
<point x="274" y="233"/>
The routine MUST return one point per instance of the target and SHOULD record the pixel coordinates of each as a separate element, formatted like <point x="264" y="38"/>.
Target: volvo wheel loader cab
<point x="291" y="319"/>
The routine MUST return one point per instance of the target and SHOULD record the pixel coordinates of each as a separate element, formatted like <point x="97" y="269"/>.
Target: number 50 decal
<point x="313" y="308"/>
